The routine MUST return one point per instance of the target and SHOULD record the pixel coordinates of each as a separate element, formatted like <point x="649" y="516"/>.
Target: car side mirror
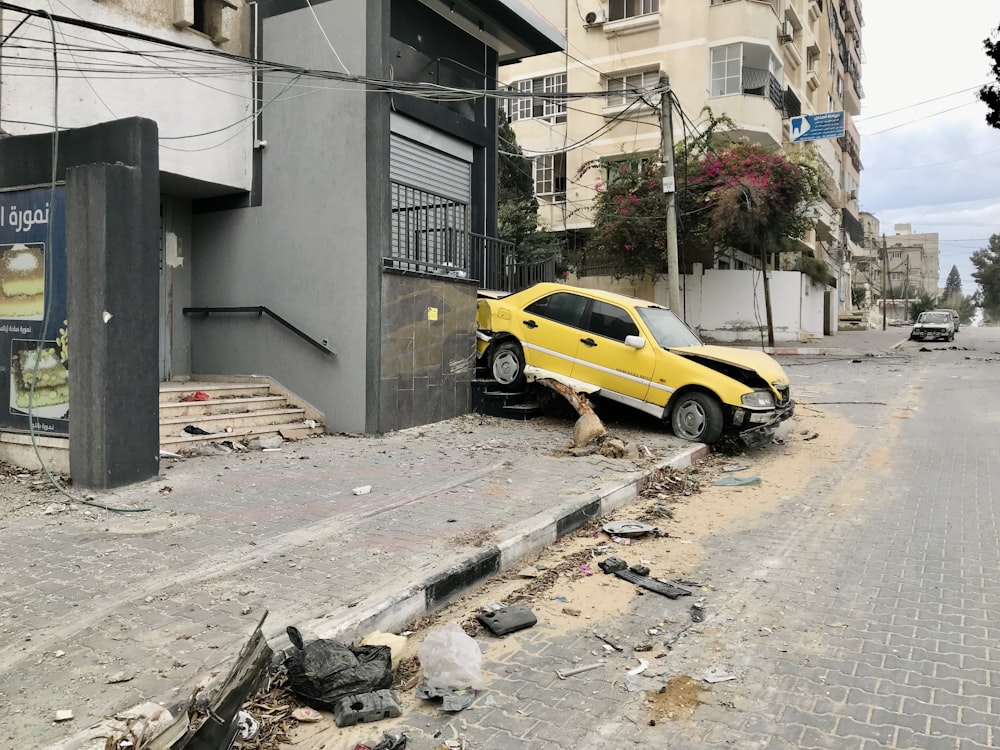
<point x="636" y="342"/>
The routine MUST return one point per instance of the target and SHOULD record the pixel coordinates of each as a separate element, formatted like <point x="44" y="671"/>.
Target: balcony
<point x="793" y="107"/>
<point x="430" y="235"/>
<point x="758" y="82"/>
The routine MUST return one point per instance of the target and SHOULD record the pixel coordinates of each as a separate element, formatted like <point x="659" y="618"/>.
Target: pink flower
<point x="623" y="170"/>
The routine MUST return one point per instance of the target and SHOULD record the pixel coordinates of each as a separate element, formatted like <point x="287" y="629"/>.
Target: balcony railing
<point x="759" y="82"/>
<point x="793" y="107"/>
<point x="490" y="258"/>
<point x="430" y="233"/>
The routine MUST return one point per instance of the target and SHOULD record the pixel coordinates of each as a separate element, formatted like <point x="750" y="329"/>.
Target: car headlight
<point x="758" y="400"/>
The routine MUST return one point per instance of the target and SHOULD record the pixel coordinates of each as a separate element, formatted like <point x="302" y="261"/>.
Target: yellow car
<point x="634" y="352"/>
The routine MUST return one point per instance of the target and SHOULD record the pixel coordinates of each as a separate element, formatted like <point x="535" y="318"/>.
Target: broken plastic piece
<point x="362" y="490"/>
<point x="639" y="570"/>
<point x="392" y="741"/>
<point x="698" y="611"/>
<point x="246" y="725"/>
<point x="611" y="564"/>
<point x="716" y="674"/>
<point x="306" y="715"/>
<point x="643" y="666"/>
<point x="366" y="707"/>
<point x="651" y="584"/>
<point x="608" y="641"/>
<point x="508" y="619"/>
<point x="196" y="396"/>
<point x="628" y="528"/>
<point x="451" y="700"/>
<point x="737" y="481"/>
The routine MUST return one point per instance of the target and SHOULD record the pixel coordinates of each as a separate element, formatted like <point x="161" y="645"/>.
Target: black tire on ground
<point x="507" y="364"/>
<point x="697" y="417"/>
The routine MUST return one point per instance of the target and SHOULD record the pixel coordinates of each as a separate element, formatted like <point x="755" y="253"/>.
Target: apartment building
<point x="759" y="62"/>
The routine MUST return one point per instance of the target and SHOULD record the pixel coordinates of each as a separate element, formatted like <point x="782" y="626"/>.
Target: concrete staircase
<point x="237" y="411"/>
<point x="854" y="320"/>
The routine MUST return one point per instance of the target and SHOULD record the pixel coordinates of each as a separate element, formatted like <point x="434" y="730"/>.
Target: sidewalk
<point x="103" y="611"/>
<point x="845" y="343"/>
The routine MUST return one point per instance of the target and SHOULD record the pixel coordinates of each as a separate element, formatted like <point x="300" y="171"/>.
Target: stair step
<point x="522" y="411"/>
<point x="220" y="406"/>
<point x="218" y="423"/>
<point x="174" y="392"/>
<point x="177" y="441"/>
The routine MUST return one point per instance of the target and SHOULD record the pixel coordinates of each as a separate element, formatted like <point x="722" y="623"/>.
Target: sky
<point x="936" y="169"/>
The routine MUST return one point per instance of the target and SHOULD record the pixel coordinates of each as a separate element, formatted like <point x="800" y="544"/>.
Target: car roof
<point x="549" y="287"/>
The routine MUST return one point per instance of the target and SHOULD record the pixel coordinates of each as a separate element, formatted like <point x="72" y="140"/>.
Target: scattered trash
<point x="639" y="570"/>
<point x="366" y="708"/>
<point x="306" y="715"/>
<point x="612" y="564"/>
<point x="643" y="666"/>
<point x="654" y="631"/>
<point x="734" y="467"/>
<point x="310" y="423"/>
<point x="264" y="443"/>
<point x="562" y="674"/>
<point x="362" y="490"/>
<point x="571" y="611"/>
<point x="169" y="454"/>
<point x="195" y="430"/>
<point x="59" y="654"/>
<point x="451" y="659"/>
<point x="643" y="647"/>
<point x="621" y="540"/>
<point x="508" y="619"/>
<point x="453" y="744"/>
<point x="698" y="610"/>
<point x="628" y="529"/>
<point x="64" y="714"/>
<point x="246" y="725"/>
<point x="326" y="670"/>
<point x="811" y="437"/>
<point x="196" y="396"/>
<point x="608" y="641"/>
<point x="716" y="674"/>
<point x="528" y="573"/>
<point x="52" y="508"/>
<point x="396" y="644"/>
<point x="737" y="481"/>
<point x="392" y="741"/>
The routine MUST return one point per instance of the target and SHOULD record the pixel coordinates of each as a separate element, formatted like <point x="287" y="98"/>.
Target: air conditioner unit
<point x="596" y="17"/>
<point x="852" y="195"/>
<point x="787" y="32"/>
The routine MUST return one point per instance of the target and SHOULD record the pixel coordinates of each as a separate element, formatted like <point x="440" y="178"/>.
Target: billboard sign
<point x="815" y="127"/>
<point x="34" y="346"/>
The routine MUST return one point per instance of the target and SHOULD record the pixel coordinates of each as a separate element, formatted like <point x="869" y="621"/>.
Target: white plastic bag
<point x="451" y="659"/>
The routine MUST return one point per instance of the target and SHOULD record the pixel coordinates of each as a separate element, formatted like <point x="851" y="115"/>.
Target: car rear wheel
<point x="697" y="417"/>
<point x="507" y="364"/>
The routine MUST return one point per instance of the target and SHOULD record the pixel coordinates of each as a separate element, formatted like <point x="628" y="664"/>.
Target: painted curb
<point x="528" y="537"/>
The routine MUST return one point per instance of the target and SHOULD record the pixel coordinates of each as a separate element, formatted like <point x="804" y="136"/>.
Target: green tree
<point x="952" y="286"/>
<point x="517" y="207"/>
<point x="990" y="93"/>
<point x="923" y="302"/>
<point x="987" y="276"/>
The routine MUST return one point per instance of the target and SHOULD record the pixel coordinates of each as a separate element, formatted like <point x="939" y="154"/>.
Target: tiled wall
<point x="427" y="364"/>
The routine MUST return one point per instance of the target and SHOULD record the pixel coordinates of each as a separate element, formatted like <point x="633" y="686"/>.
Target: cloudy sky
<point x="930" y="159"/>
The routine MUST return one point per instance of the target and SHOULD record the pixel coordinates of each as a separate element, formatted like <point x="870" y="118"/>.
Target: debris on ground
<point x="507" y="619"/>
<point x="629" y="529"/>
<point x="452" y="666"/>
<point x="737" y="481"/>
<point x="396" y="644"/>
<point x="563" y="674"/>
<point x="717" y="674"/>
<point x="366" y="708"/>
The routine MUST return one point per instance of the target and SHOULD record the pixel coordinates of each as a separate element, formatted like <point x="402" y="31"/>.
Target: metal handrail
<point x="260" y="311"/>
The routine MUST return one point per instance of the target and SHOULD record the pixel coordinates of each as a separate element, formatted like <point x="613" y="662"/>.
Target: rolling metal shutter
<point x="419" y="166"/>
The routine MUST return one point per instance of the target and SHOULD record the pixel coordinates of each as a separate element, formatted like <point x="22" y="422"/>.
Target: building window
<point x="210" y="17"/>
<point x="727" y="62"/>
<point x="620" y="9"/>
<point x="744" y="68"/>
<point x="541" y="104"/>
<point x="550" y="176"/>
<point x="625" y="89"/>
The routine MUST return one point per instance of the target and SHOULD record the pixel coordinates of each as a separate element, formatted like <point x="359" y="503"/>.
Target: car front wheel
<point x="697" y="417"/>
<point x="507" y="364"/>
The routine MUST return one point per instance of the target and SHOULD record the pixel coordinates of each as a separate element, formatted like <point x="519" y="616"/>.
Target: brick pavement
<point x="862" y="614"/>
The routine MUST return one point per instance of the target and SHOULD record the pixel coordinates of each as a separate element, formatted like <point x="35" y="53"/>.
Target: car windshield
<point x="934" y="317"/>
<point x="667" y="328"/>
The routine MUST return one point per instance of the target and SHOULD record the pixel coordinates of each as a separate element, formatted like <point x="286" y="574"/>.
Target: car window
<point x="561" y="307"/>
<point x="667" y="328"/>
<point x="611" y="321"/>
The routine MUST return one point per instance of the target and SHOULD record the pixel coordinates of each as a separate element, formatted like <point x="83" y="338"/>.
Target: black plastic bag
<point x="325" y="670"/>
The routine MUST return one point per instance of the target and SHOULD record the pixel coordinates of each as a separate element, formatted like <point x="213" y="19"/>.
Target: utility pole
<point x="885" y="274"/>
<point x="906" y="290"/>
<point x="669" y="190"/>
<point x="767" y="291"/>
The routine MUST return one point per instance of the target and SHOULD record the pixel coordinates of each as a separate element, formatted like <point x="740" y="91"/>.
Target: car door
<point x="550" y="331"/>
<point x="604" y="358"/>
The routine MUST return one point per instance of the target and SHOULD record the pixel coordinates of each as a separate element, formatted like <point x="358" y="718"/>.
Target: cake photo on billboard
<point x="22" y="281"/>
<point x="43" y="366"/>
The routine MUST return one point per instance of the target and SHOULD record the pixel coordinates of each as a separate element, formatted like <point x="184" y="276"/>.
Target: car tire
<point x="951" y="337"/>
<point x="697" y="417"/>
<point x="507" y="364"/>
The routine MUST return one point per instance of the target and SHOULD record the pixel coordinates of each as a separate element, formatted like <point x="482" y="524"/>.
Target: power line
<point x="918" y="120"/>
<point x="917" y="104"/>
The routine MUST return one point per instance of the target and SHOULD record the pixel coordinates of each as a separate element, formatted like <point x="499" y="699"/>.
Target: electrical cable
<point x="323" y="32"/>
<point x="866" y="118"/>
<point x="47" y="315"/>
<point x="918" y="120"/>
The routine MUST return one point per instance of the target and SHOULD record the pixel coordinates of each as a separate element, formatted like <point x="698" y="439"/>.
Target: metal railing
<point x="260" y="311"/>
<point x="521" y="275"/>
<point x="490" y="257"/>
<point x="760" y="82"/>
<point x="429" y="232"/>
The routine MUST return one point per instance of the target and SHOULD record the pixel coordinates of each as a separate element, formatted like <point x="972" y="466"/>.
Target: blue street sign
<point x="814" y="127"/>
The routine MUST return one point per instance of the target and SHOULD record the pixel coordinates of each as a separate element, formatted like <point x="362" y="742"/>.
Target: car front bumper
<point x="759" y="426"/>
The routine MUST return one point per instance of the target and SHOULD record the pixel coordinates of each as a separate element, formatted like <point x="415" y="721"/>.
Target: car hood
<point x="749" y="359"/>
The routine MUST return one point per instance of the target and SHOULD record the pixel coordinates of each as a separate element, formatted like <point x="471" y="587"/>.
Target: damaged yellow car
<point x="634" y="352"/>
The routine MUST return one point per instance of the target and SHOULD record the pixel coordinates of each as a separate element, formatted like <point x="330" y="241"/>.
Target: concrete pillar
<point x="112" y="292"/>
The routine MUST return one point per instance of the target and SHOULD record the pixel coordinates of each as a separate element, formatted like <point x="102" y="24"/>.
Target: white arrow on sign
<point x="800" y="126"/>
